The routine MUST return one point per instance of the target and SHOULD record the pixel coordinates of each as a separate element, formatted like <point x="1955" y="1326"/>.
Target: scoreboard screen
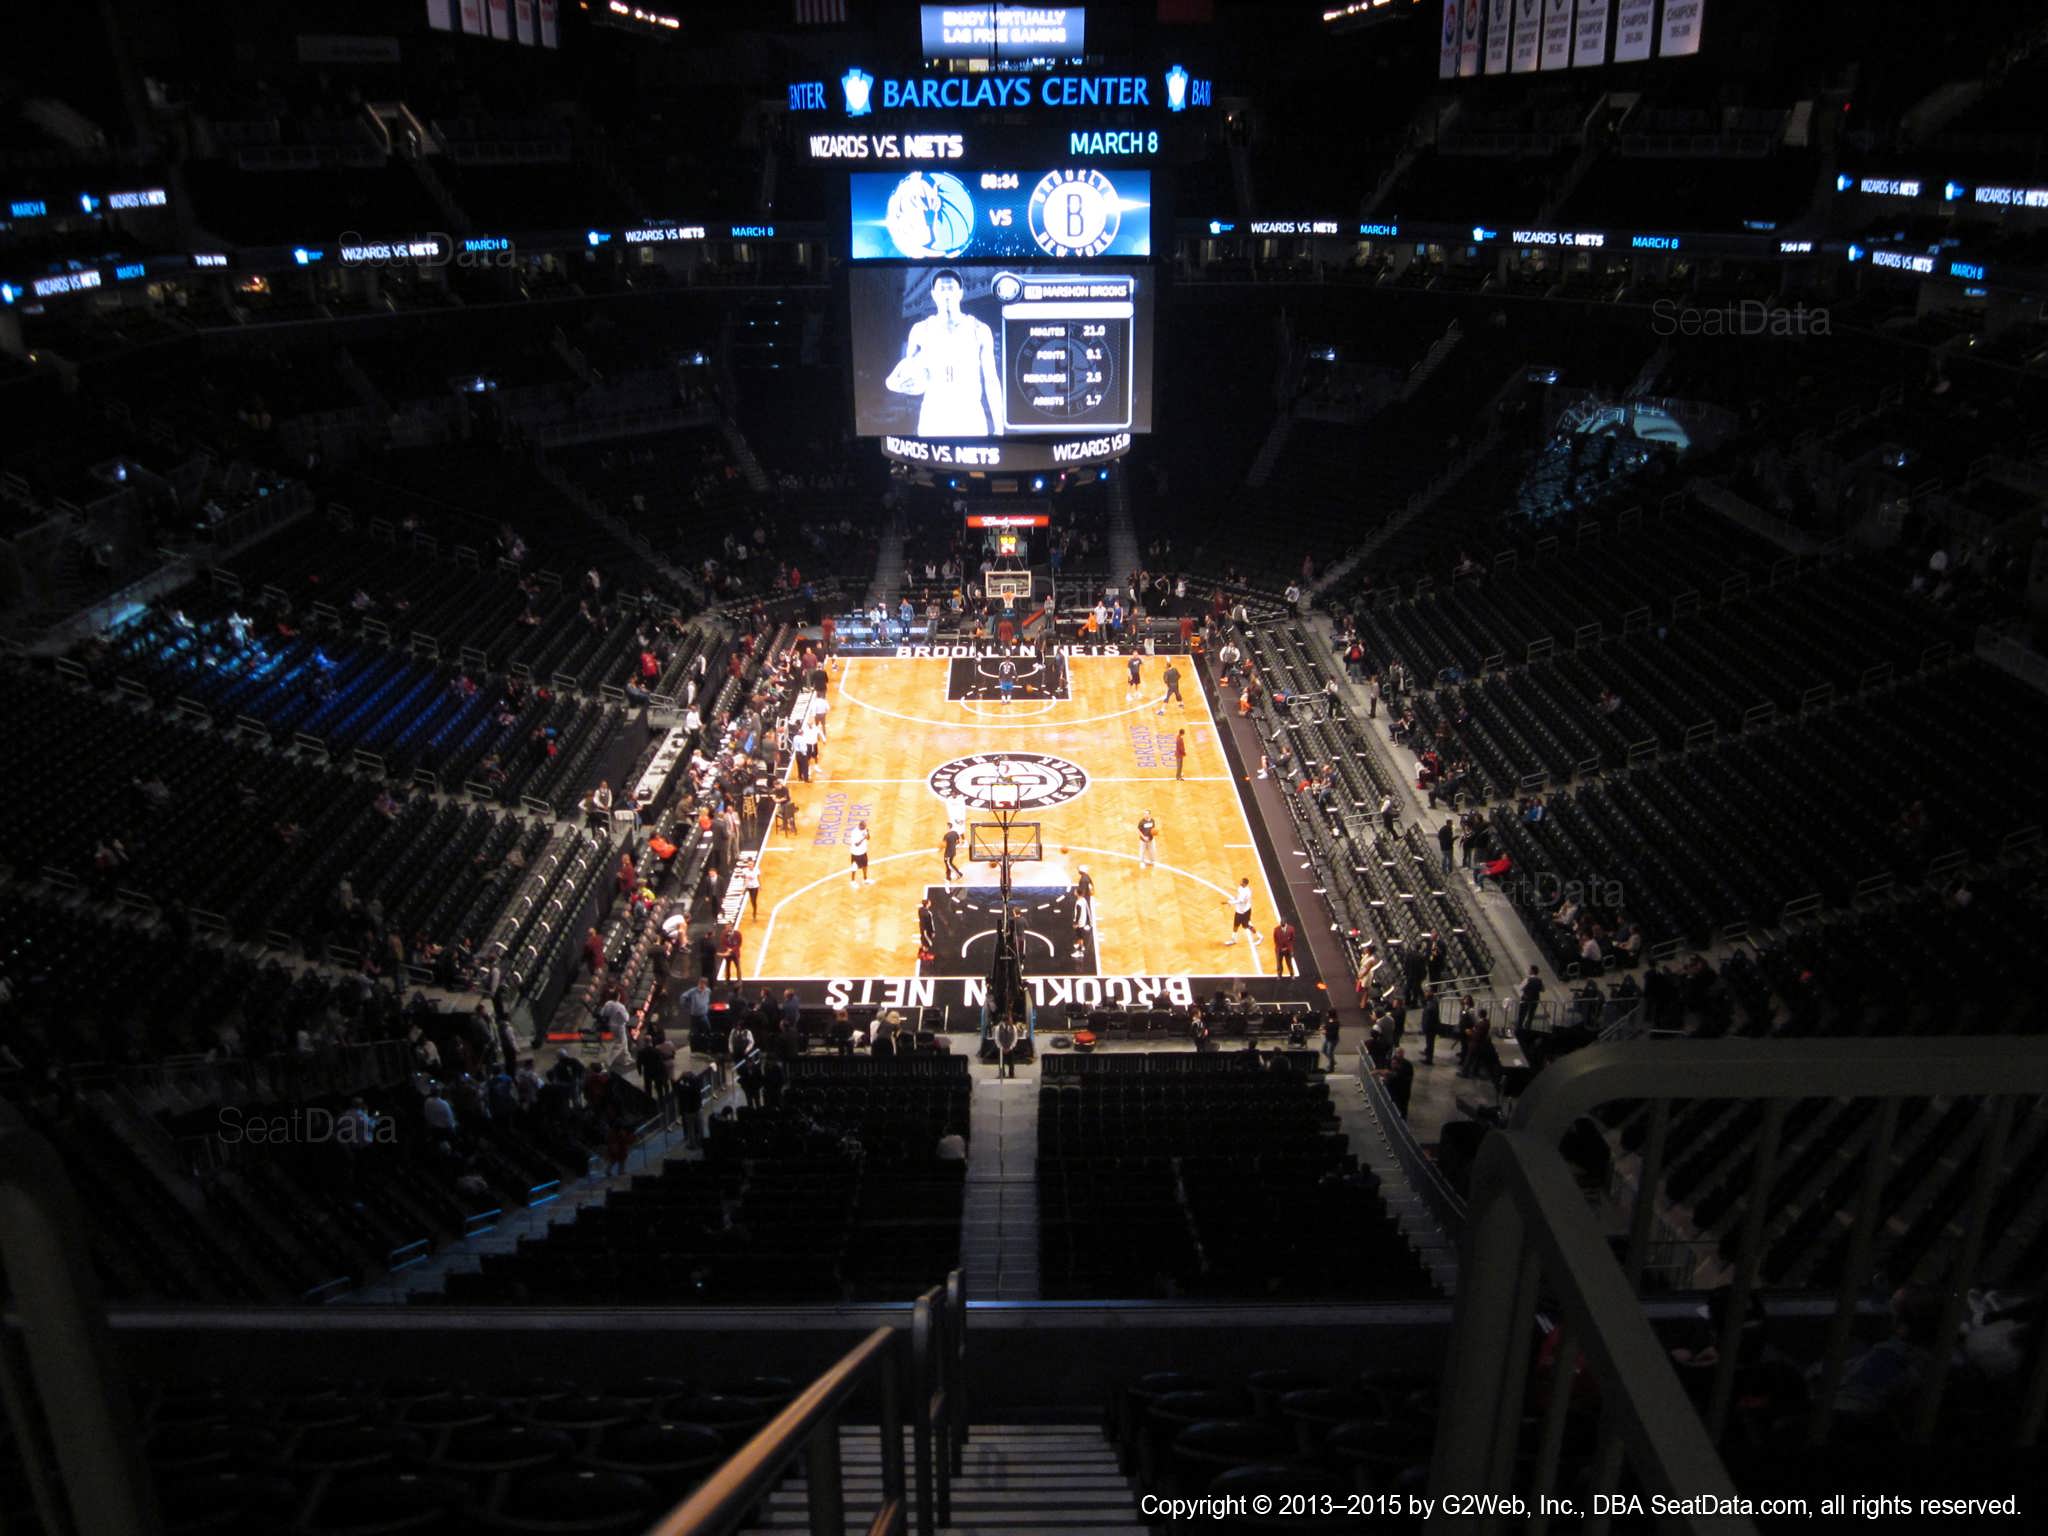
<point x="1072" y="213"/>
<point x="991" y="351"/>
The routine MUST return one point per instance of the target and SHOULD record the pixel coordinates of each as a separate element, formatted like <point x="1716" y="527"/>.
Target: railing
<point x="929" y="1376"/>
<point x="1528" y="1226"/>
<point x="1421" y="1171"/>
<point x="63" y="1396"/>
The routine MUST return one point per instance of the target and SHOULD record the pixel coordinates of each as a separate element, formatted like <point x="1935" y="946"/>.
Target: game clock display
<point x="986" y="352"/>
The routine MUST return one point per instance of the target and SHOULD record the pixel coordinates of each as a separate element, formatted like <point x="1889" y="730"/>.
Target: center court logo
<point x="1041" y="781"/>
<point x="1074" y="213"/>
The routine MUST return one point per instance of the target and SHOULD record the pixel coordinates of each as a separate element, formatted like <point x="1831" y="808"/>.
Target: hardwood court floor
<point x="892" y="725"/>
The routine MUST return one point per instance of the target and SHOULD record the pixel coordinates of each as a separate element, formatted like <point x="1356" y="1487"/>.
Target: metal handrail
<point x="931" y="1379"/>
<point x="1527" y="1224"/>
<point x="810" y="1424"/>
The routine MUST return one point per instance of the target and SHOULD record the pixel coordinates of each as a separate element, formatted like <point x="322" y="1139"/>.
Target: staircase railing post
<point x="823" y="1491"/>
<point x="920" y="1411"/>
<point x="956" y="1376"/>
<point x="889" y="1411"/>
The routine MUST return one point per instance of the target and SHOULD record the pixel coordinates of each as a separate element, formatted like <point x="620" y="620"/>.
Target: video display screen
<point x="992" y="351"/>
<point x="1004" y="31"/>
<point x="1076" y="213"/>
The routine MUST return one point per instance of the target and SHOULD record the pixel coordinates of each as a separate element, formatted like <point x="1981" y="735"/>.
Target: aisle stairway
<point x="1018" y="1479"/>
<point x="1123" y="534"/>
<point x="999" y="1228"/>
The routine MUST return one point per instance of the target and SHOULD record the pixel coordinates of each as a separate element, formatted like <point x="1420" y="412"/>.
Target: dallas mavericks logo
<point x="1176" y="89"/>
<point x="1074" y="213"/>
<point x="930" y="214"/>
<point x="1040" y="781"/>
<point x="857" y="83"/>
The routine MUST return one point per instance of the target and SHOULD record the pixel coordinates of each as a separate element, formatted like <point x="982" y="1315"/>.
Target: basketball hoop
<point x="1008" y="584"/>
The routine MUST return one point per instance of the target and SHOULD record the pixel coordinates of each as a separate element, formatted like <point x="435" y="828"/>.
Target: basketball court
<point x="1082" y="758"/>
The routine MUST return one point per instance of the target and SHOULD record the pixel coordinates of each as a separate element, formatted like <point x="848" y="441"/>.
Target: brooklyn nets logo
<point x="1074" y="213"/>
<point x="1041" y="782"/>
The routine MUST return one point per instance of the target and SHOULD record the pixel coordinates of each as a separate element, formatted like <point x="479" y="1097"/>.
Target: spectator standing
<point x="1399" y="1076"/>
<point x="1532" y="994"/>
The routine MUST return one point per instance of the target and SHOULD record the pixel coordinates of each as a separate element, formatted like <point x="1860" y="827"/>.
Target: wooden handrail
<point x="810" y="1424"/>
<point x="929" y="1379"/>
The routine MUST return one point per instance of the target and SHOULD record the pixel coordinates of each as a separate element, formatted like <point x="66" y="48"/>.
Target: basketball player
<point x="927" y="928"/>
<point x="1148" y="833"/>
<point x="1180" y="755"/>
<point x="950" y="361"/>
<point x="1084" y="919"/>
<point x="1006" y="677"/>
<point x="949" y="849"/>
<point x="1172" y="694"/>
<point x="1136" y="670"/>
<point x="1240" y="905"/>
<point x="857" y="846"/>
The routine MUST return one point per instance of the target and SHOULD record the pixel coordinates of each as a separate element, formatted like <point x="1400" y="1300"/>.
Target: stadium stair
<point x="999" y="1225"/>
<point x="1124" y="555"/>
<point x="1371" y="1145"/>
<point x="1432" y="360"/>
<point x="743" y="455"/>
<point x="1018" y="1479"/>
<point x="888" y="578"/>
<point x="1270" y="451"/>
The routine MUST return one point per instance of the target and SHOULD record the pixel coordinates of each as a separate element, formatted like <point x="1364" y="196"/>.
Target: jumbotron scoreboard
<point x="983" y="351"/>
<point x="1001" y="294"/>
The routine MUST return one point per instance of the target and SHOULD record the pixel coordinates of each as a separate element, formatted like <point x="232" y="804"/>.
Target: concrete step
<point x="1015" y="1479"/>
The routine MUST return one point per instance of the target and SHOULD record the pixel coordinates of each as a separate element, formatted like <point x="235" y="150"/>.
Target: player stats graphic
<point x="980" y="352"/>
<point x="1075" y="213"/>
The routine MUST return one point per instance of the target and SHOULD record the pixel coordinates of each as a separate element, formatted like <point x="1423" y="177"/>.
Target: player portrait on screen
<point x="949" y="363"/>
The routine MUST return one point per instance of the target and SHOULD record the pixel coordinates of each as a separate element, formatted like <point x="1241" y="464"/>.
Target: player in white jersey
<point x="950" y="361"/>
<point x="1240" y="904"/>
